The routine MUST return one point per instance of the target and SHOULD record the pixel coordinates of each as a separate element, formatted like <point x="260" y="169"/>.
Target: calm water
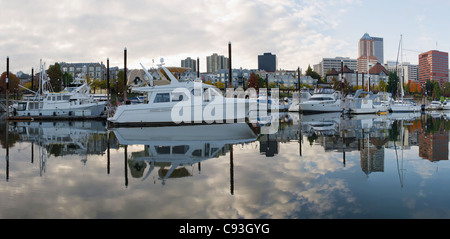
<point x="306" y="166"/>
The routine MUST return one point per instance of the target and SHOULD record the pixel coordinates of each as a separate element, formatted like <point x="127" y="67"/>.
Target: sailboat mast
<point x="402" y="68"/>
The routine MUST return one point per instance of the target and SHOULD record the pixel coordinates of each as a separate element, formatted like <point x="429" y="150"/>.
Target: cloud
<point x="91" y="31"/>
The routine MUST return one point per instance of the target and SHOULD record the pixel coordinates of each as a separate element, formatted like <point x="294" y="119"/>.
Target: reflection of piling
<point x="108" y="165"/>
<point x="7" y="151"/>
<point x="231" y="170"/>
<point x="126" y="165"/>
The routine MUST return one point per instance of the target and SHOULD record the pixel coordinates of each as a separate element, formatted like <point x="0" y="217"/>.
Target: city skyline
<point x="300" y="33"/>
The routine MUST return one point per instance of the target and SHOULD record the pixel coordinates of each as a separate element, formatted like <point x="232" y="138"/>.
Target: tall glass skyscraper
<point x="267" y="62"/>
<point x="370" y="52"/>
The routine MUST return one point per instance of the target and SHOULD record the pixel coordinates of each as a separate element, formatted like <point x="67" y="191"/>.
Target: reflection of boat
<point x="74" y="101"/>
<point x="324" y="124"/>
<point x="62" y="138"/>
<point x="179" y="146"/>
<point x="323" y="100"/>
<point x="188" y="102"/>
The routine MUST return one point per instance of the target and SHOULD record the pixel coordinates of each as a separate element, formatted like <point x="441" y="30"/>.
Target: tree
<point x="436" y="91"/>
<point x="67" y="78"/>
<point x="56" y="76"/>
<point x="253" y="81"/>
<point x="13" y="81"/>
<point x="313" y="74"/>
<point x="392" y="85"/>
<point x="382" y="85"/>
<point x="446" y="89"/>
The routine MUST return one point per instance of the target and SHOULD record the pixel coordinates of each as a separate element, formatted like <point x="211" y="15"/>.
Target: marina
<point x="328" y="166"/>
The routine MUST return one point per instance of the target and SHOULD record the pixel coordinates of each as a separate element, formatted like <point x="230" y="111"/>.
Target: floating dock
<point x="56" y="118"/>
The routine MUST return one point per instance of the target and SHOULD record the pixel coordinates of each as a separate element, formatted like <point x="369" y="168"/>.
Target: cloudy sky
<point x="299" y="32"/>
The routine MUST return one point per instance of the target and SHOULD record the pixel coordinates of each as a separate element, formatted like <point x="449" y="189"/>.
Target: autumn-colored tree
<point x="253" y="81"/>
<point x="13" y="83"/>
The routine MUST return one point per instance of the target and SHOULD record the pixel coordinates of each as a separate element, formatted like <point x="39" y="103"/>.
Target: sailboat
<point x="403" y="105"/>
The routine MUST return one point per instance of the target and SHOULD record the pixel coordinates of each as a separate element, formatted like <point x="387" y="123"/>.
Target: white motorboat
<point x="74" y="101"/>
<point x="434" y="105"/>
<point x="364" y="102"/>
<point x="189" y="102"/>
<point x="323" y="100"/>
<point x="404" y="105"/>
<point x="446" y="105"/>
<point x="298" y="97"/>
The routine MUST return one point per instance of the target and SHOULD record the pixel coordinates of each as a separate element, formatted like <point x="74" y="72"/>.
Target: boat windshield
<point x="323" y="91"/>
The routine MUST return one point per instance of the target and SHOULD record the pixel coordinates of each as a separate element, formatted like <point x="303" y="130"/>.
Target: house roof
<point x="377" y="69"/>
<point x="332" y="72"/>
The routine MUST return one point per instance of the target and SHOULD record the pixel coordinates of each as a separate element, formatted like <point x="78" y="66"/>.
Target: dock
<point x="56" y="118"/>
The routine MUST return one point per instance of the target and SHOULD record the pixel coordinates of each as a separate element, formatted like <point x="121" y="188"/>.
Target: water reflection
<point x="299" y="166"/>
<point x="170" y="149"/>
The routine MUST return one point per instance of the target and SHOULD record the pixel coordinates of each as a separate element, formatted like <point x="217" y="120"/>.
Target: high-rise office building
<point x="370" y="52"/>
<point x="216" y="62"/>
<point x="189" y="63"/>
<point x="267" y="62"/>
<point x="433" y="65"/>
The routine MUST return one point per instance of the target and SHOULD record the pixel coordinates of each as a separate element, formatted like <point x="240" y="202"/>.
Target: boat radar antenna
<point x="169" y="74"/>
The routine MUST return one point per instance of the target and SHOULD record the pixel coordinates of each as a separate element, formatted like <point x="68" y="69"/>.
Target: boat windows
<point x="22" y="106"/>
<point x="178" y="96"/>
<point x="162" y="98"/>
<point x="181" y="149"/>
<point x="162" y="149"/>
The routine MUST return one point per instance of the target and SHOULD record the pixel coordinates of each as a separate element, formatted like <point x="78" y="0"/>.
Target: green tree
<point x="392" y="85"/>
<point x="446" y="89"/>
<point x="67" y="78"/>
<point x="436" y="90"/>
<point x="56" y="76"/>
<point x="382" y="86"/>
<point x="313" y="74"/>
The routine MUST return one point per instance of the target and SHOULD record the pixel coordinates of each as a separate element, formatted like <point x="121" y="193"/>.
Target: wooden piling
<point x="230" y="73"/>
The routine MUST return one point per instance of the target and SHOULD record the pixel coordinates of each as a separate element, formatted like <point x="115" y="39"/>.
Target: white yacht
<point x="297" y="98"/>
<point x="364" y="102"/>
<point x="74" y="101"/>
<point x="435" y="105"/>
<point x="404" y="105"/>
<point x="323" y="100"/>
<point x="189" y="102"/>
<point x="446" y="105"/>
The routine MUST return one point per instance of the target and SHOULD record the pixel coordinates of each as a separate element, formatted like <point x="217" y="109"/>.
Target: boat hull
<point x="234" y="110"/>
<point x="90" y="109"/>
<point x="320" y="107"/>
